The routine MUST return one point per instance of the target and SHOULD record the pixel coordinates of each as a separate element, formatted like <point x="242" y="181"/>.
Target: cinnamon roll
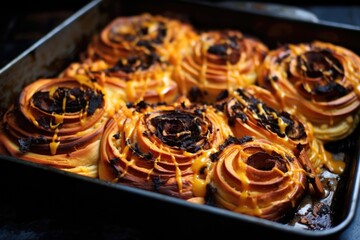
<point x="57" y="122"/>
<point x="217" y="61"/>
<point x="162" y="148"/>
<point x="143" y="33"/>
<point x="319" y="81"/>
<point x="257" y="177"/>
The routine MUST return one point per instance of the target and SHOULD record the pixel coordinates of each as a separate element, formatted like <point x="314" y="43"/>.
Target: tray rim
<point x="341" y="226"/>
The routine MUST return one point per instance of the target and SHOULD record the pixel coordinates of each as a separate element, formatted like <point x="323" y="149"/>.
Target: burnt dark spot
<point x="202" y="170"/>
<point x="26" y="143"/>
<point x="75" y="99"/>
<point x="148" y="156"/>
<point x="222" y="95"/>
<point x="220" y="106"/>
<point x="195" y="94"/>
<point x="145" y="43"/>
<point x="141" y="105"/>
<point x="156" y="183"/>
<point x="129" y="104"/>
<point x="218" y="49"/>
<point x="214" y="156"/>
<point x="43" y="122"/>
<point x="233" y="140"/>
<point x="146" y="134"/>
<point x="135" y="63"/>
<point x="116" y="136"/>
<point x="183" y="105"/>
<point x="210" y="195"/>
<point x="137" y="151"/>
<point x="232" y="121"/>
<point x="320" y="63"/>
<point x="114" y="161"/>
<point x="332" y="87"/>
<point x="199" y="112"/>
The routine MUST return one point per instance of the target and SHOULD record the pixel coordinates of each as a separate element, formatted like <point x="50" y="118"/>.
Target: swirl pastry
<point x="257" y="177"/>
<point x="217" y="61"/>
<point x="162" y="147"/>
<point x="57" y="122"/>
<point x="318" y="80"/>
<point x="125" y="36"/>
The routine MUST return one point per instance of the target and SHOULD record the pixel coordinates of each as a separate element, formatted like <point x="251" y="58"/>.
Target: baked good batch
<point x="212" y="117"/>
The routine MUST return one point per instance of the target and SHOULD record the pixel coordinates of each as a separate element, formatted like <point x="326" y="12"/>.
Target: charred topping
<point x="157" y="183"/>
<point x="228" y="47"/>
<point x="319" y="217"/>
<point x="136" y="150"/>
<point x="44" y="122"/>
<point x="230" y="140"/>
<point x="321" y="63"/>
<point x="210" y="195"/>
<point x="135" y="63"/>
<point x="195" y="94"/>
<point x="268" y="118"/>
<point x="129" y="105"/>
<point x="141" y="105"/>
<point x="76" y="100"/>
<point x="113" y="163"/>
<point x="26" y="143"/>
<point x="222" y="95"/>
<point x="141" y="34"/>
<point x="181" y="129"/>
<point x="116" y="136"/>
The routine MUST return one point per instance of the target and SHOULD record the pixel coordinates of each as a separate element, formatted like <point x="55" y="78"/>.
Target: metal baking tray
<point x="37" y="189"/>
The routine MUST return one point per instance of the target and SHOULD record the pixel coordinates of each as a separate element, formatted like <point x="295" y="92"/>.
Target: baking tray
<point x="37" y="189"/>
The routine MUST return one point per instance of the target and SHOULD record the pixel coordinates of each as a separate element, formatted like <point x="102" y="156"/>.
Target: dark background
<point x="22" y="23"/>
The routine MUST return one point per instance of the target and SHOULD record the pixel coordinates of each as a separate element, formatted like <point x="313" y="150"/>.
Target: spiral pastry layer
<point x="250" y="116"/>
<point x="319" y="81"/>
<point x="57" y="122"/>
<point x="144" y="33"/>
<point x="162" y="147"/>
<point x="217" y="61"/>
<point x="257" y="177"/>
